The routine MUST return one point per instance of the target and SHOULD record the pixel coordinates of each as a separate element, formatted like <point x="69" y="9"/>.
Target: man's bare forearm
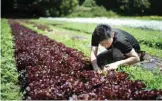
<point x="133" y="58"/>
<point x="94" y="61"/>
<point x="93" y="57"/>
<point x="128" y="61"/>
<point x="94" y="64"/>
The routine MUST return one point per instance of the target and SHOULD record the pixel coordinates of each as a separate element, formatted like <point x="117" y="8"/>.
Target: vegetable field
<point x="48" y="60"/>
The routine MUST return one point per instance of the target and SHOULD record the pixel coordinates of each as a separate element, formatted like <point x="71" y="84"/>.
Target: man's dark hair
<point x="102" y="32"/>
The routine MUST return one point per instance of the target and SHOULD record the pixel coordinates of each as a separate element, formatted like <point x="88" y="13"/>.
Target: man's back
<point x="125" y="38"/>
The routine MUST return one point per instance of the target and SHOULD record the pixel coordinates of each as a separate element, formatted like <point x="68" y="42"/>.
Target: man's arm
<point x="94" y="50"/>
<point x="132" y="58"/>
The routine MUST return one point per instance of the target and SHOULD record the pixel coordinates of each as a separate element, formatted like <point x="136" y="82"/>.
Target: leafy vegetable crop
<point x="9" y="83"/>
<point x="39" y="26"/>
<point x="50" y="70"/>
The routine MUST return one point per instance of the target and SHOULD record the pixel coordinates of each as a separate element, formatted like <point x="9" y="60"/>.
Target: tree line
<point x="34" y="8"/>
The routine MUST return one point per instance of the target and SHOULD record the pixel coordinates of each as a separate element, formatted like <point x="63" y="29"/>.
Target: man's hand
<point x="98" y="70"/>
<point x="111" y="66"/>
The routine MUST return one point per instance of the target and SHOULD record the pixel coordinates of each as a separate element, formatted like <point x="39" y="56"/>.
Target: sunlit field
<point x="48" y="59"/>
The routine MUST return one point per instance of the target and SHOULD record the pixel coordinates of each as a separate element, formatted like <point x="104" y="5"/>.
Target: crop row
<point x="38" y="26"/>
<point x="50" y="70"/>
<point x="143" y="36"/>
<point x="9" y="87"/>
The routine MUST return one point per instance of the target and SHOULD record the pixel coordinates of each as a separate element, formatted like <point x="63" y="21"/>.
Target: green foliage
<point x="89" y="3"/>
<point x="43" y="7"/>
<point x="65" y="7"/>
<point x="9" y="76"/>
<point x="129" y="7"/>
<point x="60" y="8"/>
<point x="133" y="6"/>
<point x="96" y="11"/>
<point x="153" y="79"/>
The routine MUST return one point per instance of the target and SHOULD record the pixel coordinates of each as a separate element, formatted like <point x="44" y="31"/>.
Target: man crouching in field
<point x="122" y="48"/>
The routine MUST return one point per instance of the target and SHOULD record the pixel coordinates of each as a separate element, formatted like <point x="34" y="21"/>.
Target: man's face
<point x="106" y="43"/>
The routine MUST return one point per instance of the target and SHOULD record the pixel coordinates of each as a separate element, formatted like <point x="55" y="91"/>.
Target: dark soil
<point x="151" y="62"/>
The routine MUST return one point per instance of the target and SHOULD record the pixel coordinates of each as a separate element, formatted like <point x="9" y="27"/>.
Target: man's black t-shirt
<point x="122" y="40"/>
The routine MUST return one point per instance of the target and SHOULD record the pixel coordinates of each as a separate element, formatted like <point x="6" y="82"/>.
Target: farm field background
<point x="77" y="36"/>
